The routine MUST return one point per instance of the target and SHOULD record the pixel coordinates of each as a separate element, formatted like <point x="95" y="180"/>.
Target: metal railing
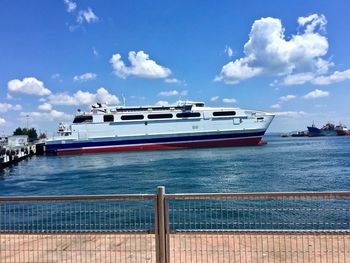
<point x="232" y="227"/>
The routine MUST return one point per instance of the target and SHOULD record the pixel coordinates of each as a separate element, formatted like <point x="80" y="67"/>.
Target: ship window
<point x="108" y="118"/>
<point x="188" y="114"/>
<point x="131" y="117"/>
<point x="160" y="116"/>
<point x="224" y="113"/>
<point x="82" y="118"/>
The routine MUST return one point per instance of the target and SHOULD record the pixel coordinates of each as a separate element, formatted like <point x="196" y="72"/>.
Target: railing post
<point x="160" y="227"/>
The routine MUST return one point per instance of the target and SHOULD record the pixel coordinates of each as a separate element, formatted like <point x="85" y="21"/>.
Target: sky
<point x="286" y="57"/>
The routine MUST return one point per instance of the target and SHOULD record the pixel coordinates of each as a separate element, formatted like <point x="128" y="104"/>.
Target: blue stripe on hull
<point x="76" y="145"/>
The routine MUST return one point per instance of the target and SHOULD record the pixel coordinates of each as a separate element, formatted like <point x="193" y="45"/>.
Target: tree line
<point x="32" y="134"/>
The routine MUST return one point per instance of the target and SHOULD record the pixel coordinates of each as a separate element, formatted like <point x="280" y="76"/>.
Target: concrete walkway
<point x="210" y="248"/>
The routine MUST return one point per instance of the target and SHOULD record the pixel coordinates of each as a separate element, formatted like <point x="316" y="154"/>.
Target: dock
<point x="15" y="149"/>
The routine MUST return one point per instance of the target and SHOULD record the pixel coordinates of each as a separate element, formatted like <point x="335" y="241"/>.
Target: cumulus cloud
<point x="172" y="80"/>
<point x="229" y="100"/>
<point x="2" y="121"/>
<point x="297" y="59"/>
<point x="228" y="50"/>
<point x="4" y="107"/>
<point x="85" y="77"/>
<point x="214" y="98"/>
<point x="291" y="114"/>
<point x="52" y="115"/>
<point x="287" y="98"/>
<point x="168" y="93"/>
<point x="87" y="16"/>
<point x="84" y="98"/>
<point x="162" y="103"/>
<point x="275" y="106"/>
<point x="70" y="5"/>
<point x="28" y="85"/>
<point x="45" y="106"/>
<point x="173" y="93"/>
<point x="140" y="66"/>
<point x="337" y="76"/>
<point x="104" y="96"/>
<point x="316" y="94"/>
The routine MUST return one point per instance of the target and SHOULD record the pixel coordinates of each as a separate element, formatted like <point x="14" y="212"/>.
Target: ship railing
<point x="202" y="227"/>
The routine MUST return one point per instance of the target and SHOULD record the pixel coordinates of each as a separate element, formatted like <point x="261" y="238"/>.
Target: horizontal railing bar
<point x="176" y="196"/>
<point x="258" y="195"/>
<point x="132" y="232"/>
<point x="261" y="231"/>
<point x="76" y="198"/>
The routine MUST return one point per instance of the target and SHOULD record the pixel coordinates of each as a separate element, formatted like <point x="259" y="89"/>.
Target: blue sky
<point x="286" y="57"/>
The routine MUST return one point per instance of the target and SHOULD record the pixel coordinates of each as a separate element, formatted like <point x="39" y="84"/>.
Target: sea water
<point x="284" y="164"/>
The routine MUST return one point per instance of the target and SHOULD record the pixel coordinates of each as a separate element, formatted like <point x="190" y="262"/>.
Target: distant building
<point x="17" y="140"/>
<point x="3" y="140"/>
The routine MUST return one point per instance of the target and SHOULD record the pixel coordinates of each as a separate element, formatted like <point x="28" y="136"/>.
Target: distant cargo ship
<point x="326" y="130"/>
<point x="342" y="130"/>
<point x="185" y="125"/>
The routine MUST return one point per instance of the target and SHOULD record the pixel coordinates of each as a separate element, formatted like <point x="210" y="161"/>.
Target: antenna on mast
<point x="124" y="99"/>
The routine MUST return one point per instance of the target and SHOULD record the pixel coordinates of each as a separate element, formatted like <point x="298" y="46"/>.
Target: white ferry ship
<point x="185" y="125"/>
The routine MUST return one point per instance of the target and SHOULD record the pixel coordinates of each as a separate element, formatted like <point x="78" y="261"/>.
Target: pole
<point x="161" y="257"/>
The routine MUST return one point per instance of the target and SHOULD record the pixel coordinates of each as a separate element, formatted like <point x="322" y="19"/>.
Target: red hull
<point x="181" y="145"/>
<point x="341" y="132"/>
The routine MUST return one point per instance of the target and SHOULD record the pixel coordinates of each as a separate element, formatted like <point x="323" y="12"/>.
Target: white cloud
<point x="288" y="98"/>
<point x="228" y="50"/>
<point x="215" y="98"/>
<point x="173" y="93"/>
<point x="316" y="94"/>
<point x="337" y="76"/>
<point x="70" y="5"/>
<point x="45" y="106"/>
<point x="140" y="66"/>
<point x="229" y="100"/>
<point x="275" y="106"/>
<point x="84" y="98"/>
<point x="85" y="77"/>
<point x="87" y="16"/>
<point x="297" y="59"/>
<point x="2" y="121"/>
<point x="297" y="79"/>
<point x="105" y="97"/>
<point x="234" y="72"/>
<point x="62" y="99"/>
<point x="95" y="52"/>
<point x="168" y="93"/>
<point x="173" y="80"/>
<point x="184" y="93"/>
<point x="4" y="107"/>
<point x="28" y="85"/>
<point x="291" y="114"/>
<point x="162" y="103"/>
<point x="53" y="115"/>
<point x="312" y="21"/>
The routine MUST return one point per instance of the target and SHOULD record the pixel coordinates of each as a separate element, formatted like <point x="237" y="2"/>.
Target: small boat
<point x="342" y="130"/>
<point x="326" y="130"/>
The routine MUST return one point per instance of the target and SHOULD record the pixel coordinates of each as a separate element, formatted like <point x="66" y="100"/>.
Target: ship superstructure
<point x="185" y="125"/>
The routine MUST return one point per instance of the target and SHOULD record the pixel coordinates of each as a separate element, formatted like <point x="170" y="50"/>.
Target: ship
<point x="326" y="130"/>
<point x="183" y="125"/>
<point x="342" y="130"/>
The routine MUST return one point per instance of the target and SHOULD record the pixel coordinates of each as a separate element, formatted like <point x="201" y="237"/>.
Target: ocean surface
<point x="284" y="164"/>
